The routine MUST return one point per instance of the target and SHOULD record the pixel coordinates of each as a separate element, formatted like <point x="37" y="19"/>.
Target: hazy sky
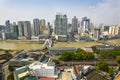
<point x="99" y="11"/>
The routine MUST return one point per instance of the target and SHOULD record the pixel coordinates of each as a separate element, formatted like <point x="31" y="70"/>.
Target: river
<point x="19" y="45"/>
<point x="27" y="45"/>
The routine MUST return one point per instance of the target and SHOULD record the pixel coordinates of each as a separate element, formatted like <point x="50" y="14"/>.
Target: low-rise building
<point x="81" y="70"/>
<point x="25" y="58"/>
<point x="24" y="73"/>
<point x="61" y="50"/>
<point x="88" y="49"/>
<point x="44" y="69"/>
<point x="66" y="76"/>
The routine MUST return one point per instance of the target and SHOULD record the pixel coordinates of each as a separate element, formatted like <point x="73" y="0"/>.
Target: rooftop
<point x="88" y="49"/>
<point x="2" y="61"/>
<point x="47" y="78"/>
<point x="28" y="56"/>
<point x="24" y="73"/>
<point x="117" y="77"/>
<point x="38" y="65"/>
<point x="66" y="75"/>
<point x="77" y="69"/>
<point x="95" y="76"/>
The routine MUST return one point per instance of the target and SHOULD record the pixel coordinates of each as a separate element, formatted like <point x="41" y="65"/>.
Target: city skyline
<point x="99" y="11"/>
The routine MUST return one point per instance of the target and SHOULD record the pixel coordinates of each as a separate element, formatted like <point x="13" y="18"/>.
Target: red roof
<point x="47" y="79"/>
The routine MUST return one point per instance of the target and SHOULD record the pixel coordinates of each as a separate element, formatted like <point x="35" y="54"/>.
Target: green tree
<point x="10" y="68"/>
<point x="95" y="50"/>
<point x="118" y="59"/>
<point x="10" y="76"/>
<point x="90" y="56"/>
<point x="103" y="66"/>
<point x="80" y="50"/>
<point x="78" y="56"/>
<point x="110" y="71"/>
<point x="56" y="61"/>
<point x="67" y="56"/>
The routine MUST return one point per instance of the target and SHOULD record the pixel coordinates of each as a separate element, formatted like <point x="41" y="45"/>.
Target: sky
<point x="99" y="11"/>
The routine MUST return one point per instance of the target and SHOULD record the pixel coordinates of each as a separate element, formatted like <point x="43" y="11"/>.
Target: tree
<point x="80" y="50"/>
<point x="10" y="68"/>
<point x="118" y="59"/>
<point x="110" y="71"/>
<point x="95" y="50"/>
<point x="67" y="56"/>
<point x="103" y="66"/>
<point x="78" y="56"/>
<point x="90" y="56"/>
<point x="10" y="76"/>
<point x="56" y="61"/>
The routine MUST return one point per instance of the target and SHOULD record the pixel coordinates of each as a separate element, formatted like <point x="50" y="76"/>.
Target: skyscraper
<point x="86" y="24"/>
<point x="15" y="31"/>
<point x="60" y="24"/>
<point x="7" y="26"/>
<point x="27" y="29"/>
<point x="96" y="34"/>
<point x="21" y="28"/>
<point x="42" y="26"/>
<point x="83" y="19"/>
<point x="36" y="24"/>
<point x="74" y="25"/>
<point x="49" y="28"/>
<point x="42" y="22"/>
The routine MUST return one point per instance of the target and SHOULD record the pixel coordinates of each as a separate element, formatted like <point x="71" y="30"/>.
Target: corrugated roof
<point x="22" y="70"/>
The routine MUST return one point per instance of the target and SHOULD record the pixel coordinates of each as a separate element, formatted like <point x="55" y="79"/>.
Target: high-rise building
<point x="2" y="32"/>
<point x="60" y="24"/>
<point x="2" y="27"/>
<point x="42" y="22"/>
<point x="42" y="26"/>
<point x="27" y="29"/>
<point x="96" y="34"/>
<point x="118" y="30"/>
<point x="36" y="24"/>
<point x="49" y="28"/>
<point x="114" y="31"/>
<point x="74" y="25"/>
<point x="7" y="26"/>
<point x="91" y="27"/>
<point x="83" y="19"/>
<point x="85" y="24"/>
<point x="15" y="31"/>
<point x="69" y="28"/>
<point x="21" y="28"/>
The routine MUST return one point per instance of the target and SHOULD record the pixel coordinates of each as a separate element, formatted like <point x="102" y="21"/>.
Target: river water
<point x="27" y="45"/>
<point x="19" y="45"/>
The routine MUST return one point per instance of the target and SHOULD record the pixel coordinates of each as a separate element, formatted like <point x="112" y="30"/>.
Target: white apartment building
<point x="114" y="31"/>
<point x="43" y="69"/>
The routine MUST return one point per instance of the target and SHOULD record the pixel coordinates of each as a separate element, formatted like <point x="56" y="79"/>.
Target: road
<point x="111" y="63"/>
